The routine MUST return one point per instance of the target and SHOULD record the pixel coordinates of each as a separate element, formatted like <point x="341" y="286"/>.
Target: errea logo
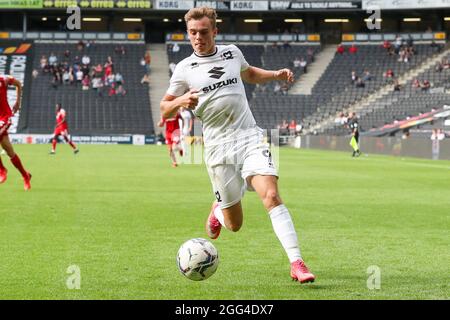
<point x="216" y="72"/>
<point x="23" y="48"/>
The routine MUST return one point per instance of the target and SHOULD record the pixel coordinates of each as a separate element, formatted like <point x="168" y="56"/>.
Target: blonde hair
<point x="199" y="13"/>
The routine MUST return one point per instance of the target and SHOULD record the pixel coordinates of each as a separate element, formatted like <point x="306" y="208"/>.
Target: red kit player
<point x="5" y="123"/>
<point x="172" y="136"/>
<point x="61" y="129"/>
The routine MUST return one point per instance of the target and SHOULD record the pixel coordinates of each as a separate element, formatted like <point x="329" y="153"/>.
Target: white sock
<point x="219" y="215"/>
<point x="284" y="229"/>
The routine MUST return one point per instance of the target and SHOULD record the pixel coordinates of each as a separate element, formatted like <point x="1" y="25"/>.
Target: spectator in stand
<point x="367" y="75"/>
<point x="387" y="45"/>
<point x="79" y="76"/>
<point x="439" y="67"/>
<point x="109" y="63"/>
<point x="35" y="73"/>
<point x="310" y="55"/>
<point x="85" y="83"/>
<point x="360" y="83"/>
<point x="98" y="70"/>
<point x="296" y="64"/>
<point x="121" y="91"/>
<point x="52" y="60"/>
<point x="67" y="54"/>
<point x="44" y="64"/>
<point x="86" y="60"/>
<point x="118" y="78"/>
<point x="398" y="44"/>
<point x="446" y="63"/>
<point x="397" y="86"/>
<point x="440" y="134"/>
<point x="110" y="80"/>
<point x="354" y="77"/>
<point x="389" y="75"/>
<point x="426" y="85"/>
<point x="303" y="65"/>
<point x="66" y="77"/>
<point x="340" y="49"/>
<point x="353" y="49"/>
<point x="416" y="83"/>
<point x="275" y="46"/>
<point x="97" y="85"/>
<point x="120" y="50"/>
<point x="409" y="41"/>
<point x="112" y="90"/>
<point x="80" y="45"/>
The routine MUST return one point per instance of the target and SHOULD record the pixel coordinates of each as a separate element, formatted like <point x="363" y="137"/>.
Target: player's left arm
<point x="254" y="75"/>
<point x="18" y="85"/>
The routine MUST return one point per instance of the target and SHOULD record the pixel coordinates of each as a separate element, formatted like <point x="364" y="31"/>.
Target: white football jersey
<point x="223" y="106"/>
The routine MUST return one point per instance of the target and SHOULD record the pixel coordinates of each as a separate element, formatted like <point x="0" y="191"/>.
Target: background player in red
<point x="172" y="136"/>
<point x="61" y="129"/>
<point x="5" y="123"/>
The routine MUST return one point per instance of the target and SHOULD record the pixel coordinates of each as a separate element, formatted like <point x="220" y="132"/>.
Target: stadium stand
<point x="89" y="112"/>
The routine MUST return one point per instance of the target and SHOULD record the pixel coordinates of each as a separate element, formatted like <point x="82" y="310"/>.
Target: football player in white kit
<point x="210" y="82"/>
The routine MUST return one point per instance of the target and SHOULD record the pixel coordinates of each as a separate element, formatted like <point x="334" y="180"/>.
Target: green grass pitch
<point x="120" y="214"/>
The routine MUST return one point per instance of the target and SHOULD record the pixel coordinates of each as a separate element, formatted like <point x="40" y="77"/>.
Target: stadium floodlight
<point x="166" y="20"/>
<point x="293" y="20"/>
<point x="253" y="20"/>
<point x="58" y="19"/>
<point x="412" y="19"/>
<point x="44" y="18"/>
<point x="447" y="19"/>
<point x="132" y="19"/>
<point x="92" y="19"/>
<point x="219" y="20"/>
<point x="370" y="20"/>
<point x="336" y="20"/>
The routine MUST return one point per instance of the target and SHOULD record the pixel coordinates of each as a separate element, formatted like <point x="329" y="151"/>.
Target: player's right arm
<point x="170" y="104"/>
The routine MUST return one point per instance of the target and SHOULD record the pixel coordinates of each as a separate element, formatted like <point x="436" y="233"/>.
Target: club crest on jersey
<point x="194" y="65"/>
<point x="227" y="55"/>
<point x="216" y="72"/>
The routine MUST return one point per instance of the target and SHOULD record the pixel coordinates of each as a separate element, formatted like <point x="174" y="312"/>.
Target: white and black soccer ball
<point x="197" y="259"/>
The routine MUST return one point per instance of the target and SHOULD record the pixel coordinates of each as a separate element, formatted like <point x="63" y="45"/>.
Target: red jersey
<point x="5" y="109"/>
<point x="61" y="120"/>
<point x="172" y="124"/>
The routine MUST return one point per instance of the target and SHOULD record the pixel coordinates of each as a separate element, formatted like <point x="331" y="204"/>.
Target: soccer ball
<point x="197" y="259"/>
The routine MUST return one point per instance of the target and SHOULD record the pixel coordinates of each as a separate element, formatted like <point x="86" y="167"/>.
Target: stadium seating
<point x="89" y="113"/>
<point x="408" y="102"/>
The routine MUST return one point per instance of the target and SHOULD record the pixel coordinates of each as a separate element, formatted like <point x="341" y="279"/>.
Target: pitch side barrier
<point x="411" y="147"/>
<point x="135" y="139"/>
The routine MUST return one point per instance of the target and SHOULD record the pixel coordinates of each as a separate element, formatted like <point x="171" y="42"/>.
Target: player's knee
<point x="271" y="199"/>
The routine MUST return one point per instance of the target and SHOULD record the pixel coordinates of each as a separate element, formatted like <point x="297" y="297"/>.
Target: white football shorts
<point x="230" y="164"/>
